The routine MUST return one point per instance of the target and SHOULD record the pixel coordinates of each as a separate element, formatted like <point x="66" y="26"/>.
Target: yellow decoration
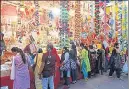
<point x="116" y="8"/>
<point x="89" y="17"/>
<point x="123" y="27"/>
<point x="108" y="10"/>
<point x="117" y="17"/>
<point x="116" y="34"/>
<point x="110" y="49"/>
<point x="99" y="46"/>
<point x="13" y="23"/>
<point x="71" y="38"/>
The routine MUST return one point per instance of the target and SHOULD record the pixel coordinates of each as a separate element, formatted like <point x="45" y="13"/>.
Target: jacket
<point x="116" y="61"/>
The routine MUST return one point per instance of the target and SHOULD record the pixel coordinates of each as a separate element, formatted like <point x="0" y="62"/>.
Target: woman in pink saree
<point x="21" y="62"/>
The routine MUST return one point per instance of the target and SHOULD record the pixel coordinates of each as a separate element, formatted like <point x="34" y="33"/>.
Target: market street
<point x="101" y="82"/>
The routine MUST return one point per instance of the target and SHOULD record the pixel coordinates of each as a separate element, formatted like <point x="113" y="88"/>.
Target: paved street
<point x="101" y="82"/>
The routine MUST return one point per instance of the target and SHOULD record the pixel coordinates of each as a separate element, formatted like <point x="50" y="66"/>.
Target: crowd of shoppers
<point x="90" y="60"/>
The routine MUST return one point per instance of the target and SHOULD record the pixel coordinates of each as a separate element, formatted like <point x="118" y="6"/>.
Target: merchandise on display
<point x="60" y="22"/>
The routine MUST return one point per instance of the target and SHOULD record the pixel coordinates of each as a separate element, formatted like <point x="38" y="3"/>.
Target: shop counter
<point x="5" y="80"/>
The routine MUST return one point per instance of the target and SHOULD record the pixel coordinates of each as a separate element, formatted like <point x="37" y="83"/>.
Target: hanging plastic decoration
<point x="124" y="26"/>
<point x="64" y="39"/>
<point x="51" y="17"/>
<point x="97" y="17"/>
<point x="36" y="13"/>
<point x="19" y="14"/>
<point x="119" y="23"/>
<point x="78" y="20"/>
<point x="84" y="34"/>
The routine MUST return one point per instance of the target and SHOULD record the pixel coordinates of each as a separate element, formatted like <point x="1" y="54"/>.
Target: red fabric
<point x="8" y="9"/>
<point x="57" y="57"/>
<point x="57" y="72"/>
<point x="5" y="81"/>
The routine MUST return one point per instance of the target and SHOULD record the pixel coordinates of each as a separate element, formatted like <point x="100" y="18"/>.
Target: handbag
<point x="12" y="76"/>
<point x="34" y="65"/>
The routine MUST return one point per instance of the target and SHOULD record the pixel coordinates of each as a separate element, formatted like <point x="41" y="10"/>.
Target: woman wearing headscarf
<point x="47" y="68"/>
<point x="101" y="60"/>
<point x="85" y="64"/>
<point x="57" y="72"/>
<point x="73" y="61"/>
<point x="65" y="68"/>
<point x="92" y="58"/>
<point x="38" y="61"/>
<point x="115" y="61"/>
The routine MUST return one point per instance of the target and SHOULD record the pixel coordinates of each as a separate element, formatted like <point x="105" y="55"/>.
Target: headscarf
<point x="54" y="51"/>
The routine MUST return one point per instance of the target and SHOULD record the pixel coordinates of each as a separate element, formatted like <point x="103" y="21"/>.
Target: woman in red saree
<point x="57" y="71"/>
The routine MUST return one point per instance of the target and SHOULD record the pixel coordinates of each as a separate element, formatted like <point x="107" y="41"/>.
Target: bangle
<point x="39" y="74"/>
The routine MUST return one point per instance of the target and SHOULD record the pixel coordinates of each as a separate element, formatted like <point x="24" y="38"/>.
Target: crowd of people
<point x="86" y="60"/>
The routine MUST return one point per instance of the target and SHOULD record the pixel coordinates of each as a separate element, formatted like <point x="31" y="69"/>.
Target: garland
<point x="36" y="13"/>
<point x="119" y="26"/>
<point x="64" y="40"/>
<point x="124" y="26"/>
<point x="19" y="13"/>
<point x="97" y="17"/>
<point x="78" y="20"/>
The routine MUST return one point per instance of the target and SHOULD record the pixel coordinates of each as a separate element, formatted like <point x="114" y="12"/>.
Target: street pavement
<point x="101" y="82"/>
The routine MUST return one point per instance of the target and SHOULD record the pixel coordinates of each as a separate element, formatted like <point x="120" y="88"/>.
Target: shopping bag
<point x="125" y="67"/>
<point x="12" y="76"/>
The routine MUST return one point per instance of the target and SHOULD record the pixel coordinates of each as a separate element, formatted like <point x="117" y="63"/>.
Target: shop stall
<point x="59" y="22"/>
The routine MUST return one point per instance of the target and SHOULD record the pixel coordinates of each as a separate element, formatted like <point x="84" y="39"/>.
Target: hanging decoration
<point x="19" y="14"/>
<point x="97" y="17"/>
<point x="64" y="39"/>
<point x="119" y="24"/>
<point x="92" y="16"/>
<point x="51" y="17"/>
<point x="78" y="20"/>
<point x="36" y="13"/>
<point x="124" y="26"/>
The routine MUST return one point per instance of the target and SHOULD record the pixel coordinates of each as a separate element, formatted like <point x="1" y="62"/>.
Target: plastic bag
<point x="125" y="67"/>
